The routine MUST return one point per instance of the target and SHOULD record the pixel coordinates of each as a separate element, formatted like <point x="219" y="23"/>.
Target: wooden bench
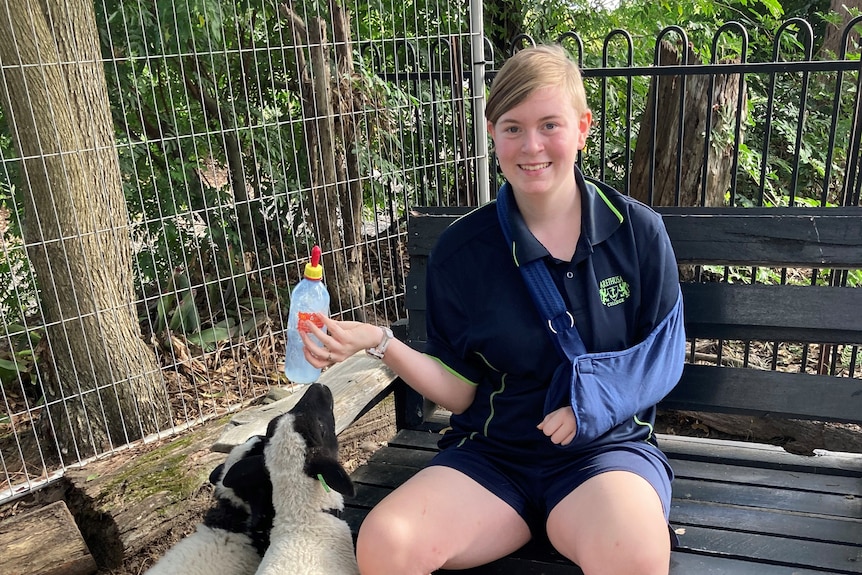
<point x="738" y="507"/>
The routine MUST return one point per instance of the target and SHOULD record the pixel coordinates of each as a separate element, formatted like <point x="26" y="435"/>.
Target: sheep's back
<point x="209" y="551"/>
<point x="321" y="547"/>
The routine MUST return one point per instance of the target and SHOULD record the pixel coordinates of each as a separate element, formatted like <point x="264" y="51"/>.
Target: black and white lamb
<point x="307" y="482"/>
<point x="234" y="533"/>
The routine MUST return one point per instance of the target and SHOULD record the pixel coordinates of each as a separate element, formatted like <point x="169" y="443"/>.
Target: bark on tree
<point x="348" y="168"/>
<point x="690" y="151"/>
<point x="503" y="22"/>
<point x="831" y="47"/>
<point x="327" y="102"/>
<point x="106" y="387"/>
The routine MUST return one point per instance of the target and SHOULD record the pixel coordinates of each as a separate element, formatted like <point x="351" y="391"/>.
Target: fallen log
<point x="44" y="542"/>
<point x="134" y="499"/>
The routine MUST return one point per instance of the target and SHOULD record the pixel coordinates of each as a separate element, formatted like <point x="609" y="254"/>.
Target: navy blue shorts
<point x="534" y="488"/>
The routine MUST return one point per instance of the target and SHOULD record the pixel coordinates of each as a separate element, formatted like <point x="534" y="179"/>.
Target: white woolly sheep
<point x="234" y="533"/>
<point x="307" y="483"/>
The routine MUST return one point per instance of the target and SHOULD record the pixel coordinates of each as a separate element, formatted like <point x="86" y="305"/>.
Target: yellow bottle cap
<point x="313" y="269"/>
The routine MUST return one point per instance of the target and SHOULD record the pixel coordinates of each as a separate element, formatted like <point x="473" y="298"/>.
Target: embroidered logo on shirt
<point x="614" y="291"/>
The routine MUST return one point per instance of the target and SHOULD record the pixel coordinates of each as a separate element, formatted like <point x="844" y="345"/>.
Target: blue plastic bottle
<point x="309" y="297"/>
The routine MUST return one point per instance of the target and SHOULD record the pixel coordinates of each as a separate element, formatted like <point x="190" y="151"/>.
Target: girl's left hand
<point x="560" y="425"/>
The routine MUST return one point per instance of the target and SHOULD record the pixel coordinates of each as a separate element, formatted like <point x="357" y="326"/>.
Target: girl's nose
<point x="532" y="142"/>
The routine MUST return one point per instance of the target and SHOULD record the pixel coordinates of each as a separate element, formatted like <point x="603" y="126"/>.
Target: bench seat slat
<point x="814" y="483"/>
<point x="766" y="393"/>
<point x="384" y="475"/>
<point x="811" y="554"/>
<point x="748" y="475"/>
<point x="768" y="498"/>
<point x="730" y="452"/>
<point x="695" y="564"/>
<point x="803" y="527"/>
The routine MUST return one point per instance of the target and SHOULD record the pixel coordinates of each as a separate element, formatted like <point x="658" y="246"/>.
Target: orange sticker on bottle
<point x="309" y="316"/>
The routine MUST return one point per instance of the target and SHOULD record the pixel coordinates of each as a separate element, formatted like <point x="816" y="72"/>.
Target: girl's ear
<point x="584" y="123"/>
<point x="333" y="474"/>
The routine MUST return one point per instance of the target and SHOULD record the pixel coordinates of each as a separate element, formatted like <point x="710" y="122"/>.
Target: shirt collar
<point x="599" y="219"/>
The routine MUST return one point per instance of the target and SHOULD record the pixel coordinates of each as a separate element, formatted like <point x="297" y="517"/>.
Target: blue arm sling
<point x="607" y="388"/>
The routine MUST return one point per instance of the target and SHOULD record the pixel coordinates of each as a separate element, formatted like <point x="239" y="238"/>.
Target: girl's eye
<point x="550" y="126"/>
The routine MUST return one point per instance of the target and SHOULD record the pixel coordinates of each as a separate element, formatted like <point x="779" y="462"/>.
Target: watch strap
<point x="380" y="349"/>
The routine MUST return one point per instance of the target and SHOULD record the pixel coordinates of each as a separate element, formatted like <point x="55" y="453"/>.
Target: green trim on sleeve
<point x="486" y="362"/>
<point x="452" y="371"/>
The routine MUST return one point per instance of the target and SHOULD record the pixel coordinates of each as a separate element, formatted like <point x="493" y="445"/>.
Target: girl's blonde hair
<point x="529" y="70"/>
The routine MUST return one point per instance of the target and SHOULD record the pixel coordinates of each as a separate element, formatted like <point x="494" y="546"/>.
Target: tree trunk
<point x="668" y="148"/>
<point x="348" y="169"/>
<point x="503" y="22"/>
<point x="831" y="47"/>
<point x="332" y="189"/>
<point x="106" y="389"/>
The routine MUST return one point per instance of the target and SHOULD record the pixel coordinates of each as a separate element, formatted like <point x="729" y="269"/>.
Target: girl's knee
<point x="386" y="545"/>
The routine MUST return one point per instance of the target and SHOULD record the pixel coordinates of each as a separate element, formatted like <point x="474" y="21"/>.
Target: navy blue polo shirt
<point x="483" y="325"/>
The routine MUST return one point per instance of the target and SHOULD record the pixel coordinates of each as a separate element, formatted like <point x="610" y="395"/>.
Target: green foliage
<point x="208" y="113"/>
<point x="18" y="292"/>
<point x="208" y="110"/>
<point x="18" y="358"/>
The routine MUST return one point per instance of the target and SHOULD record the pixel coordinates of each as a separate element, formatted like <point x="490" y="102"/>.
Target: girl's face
<point x="537" y="142"/>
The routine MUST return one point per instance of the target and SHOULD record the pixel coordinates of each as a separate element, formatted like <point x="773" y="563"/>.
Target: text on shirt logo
<point x="614" y="291"/>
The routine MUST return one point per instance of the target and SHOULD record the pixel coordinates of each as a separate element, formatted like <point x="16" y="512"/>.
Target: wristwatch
<point x="384" y="343"/>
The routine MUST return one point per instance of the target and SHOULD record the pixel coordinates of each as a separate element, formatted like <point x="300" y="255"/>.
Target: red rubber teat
<point x="313" y="269"/>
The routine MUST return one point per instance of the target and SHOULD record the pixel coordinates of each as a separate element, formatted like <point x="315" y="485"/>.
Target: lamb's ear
<point x="244" y="470"/>
<point x="332" y="472"/>
<point x="216" y="473"/>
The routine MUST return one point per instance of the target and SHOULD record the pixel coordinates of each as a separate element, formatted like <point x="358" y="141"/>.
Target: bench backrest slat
<point x="809" y="314"/>
<point x="773" y="237"/>
<point x="804" y="238"/>
<point x="767" y="393"/>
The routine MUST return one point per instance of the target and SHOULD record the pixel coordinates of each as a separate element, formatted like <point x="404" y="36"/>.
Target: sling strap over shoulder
<point x="559" y="320"/>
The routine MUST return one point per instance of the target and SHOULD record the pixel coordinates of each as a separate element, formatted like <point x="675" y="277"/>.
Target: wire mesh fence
<point x="166" y="168"/>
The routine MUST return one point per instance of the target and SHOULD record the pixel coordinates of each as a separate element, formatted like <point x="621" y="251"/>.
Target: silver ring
<point x="571" y="319"/>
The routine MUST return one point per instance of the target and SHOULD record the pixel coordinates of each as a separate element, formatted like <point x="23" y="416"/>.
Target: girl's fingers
<point x="312" y="351"/>
<point x="331" y="349"/>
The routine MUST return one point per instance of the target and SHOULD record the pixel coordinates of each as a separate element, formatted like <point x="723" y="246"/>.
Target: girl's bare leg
<point x="613" y="524"/>
<point x="440" y="518"/>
